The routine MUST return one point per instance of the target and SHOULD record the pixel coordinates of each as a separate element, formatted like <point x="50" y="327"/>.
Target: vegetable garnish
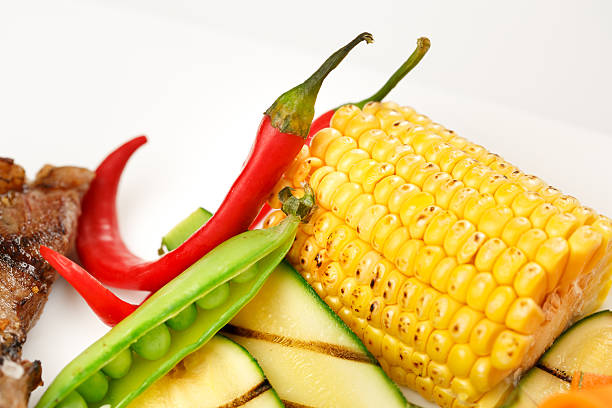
<point x="281" y="134"/>
<point x="111" y="310"/>
<point x="164" y="329"/>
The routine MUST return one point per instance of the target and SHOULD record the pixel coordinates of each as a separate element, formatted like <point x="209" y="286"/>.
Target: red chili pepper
<point x="324" y="120"/>
<point x="423" y="45"/>
<point x="102" y="301"/>
<point x="280" y="137"/>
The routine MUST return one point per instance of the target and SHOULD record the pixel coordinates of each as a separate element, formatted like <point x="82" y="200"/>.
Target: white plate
<point x="84" y="80"/>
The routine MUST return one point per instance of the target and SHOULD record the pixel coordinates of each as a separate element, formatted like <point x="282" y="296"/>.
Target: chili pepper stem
<point x="293" y="111"/>
<point x="423" y="45"/>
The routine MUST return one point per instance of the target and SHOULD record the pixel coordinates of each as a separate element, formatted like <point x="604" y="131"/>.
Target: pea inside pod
<point x="263" y="248"/>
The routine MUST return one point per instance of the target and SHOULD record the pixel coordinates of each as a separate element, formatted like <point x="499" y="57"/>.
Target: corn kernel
<point x="438" y="227"/>
<point x="509" y="350"/>
<point x="450" y="158"/>
<point x="494" y="219"/>
<point x="477" y="206"/>
<point x="408" y="164"/>
<point x="488" y="254"/>
<point x="447" y="191"/>
<point x="323" y="225"/>
<point x="424" y="386"/>
<point x="351" y="254"/>
<point x="390" y="347"/>
<point x="406" y="327"/>
<point x="484" y="376"/>
<point x="351" y="158"/>
<point x="584" y="215"/>
<point x="443" y="310"/>
<point x="356" y="209"/>
<point x="422" y="172"/>
<point x="583" y="244"/>
<point x="542" y="214"/>
<point x="308" y="252"/>
<point x="358" y="171"/>
<point x="426" y="260"/>
<point x="394" y="242"/>
<point x="369" y="219"/>
<point x="461" y="359"/>
<point x="321" y="140"/>
<point x="343" y="196"/>
<point x="433" y="182"/>
<point x="524" y="316"/>
<point x="476" y="175"/>
<point x="340" y="119"/>
<point x="347" y="286"/>
<point x="405" y="356"/>
<point x="507" y="192"/>
<point x="459" y="281"/>
<point x="406" y="256"/>
<point x="441" y="273"/>
<point x="508" y="264"/>
<point x="439" y="373"/>
<point x="530" y="241"/>
<point x="531" y="281"/>
<point x="481" y="287"/>
<point x="565" y="203"/>
<point x="337" y="148"/>
<point x="368" y="139"/>
<point x="457" y="236"/>
<point x="562" y="225"/>
<point x="410" y="293"/>
<point x="387" y="117"/>
<point x="373" y="340"/>
<point x="524" y="203"/>
<point x="439" y="345"/>
<point x="464" y="390"/>
<point x="374" y="174"/>
<point x="331" y="276"/>
<point x="422" y="332"/>
<point x="499" y="302"/>
<point x="483" y="336"/>
<point x="463" y="322"/>
<point x="333" y="302"/>
<point x="460" y="200"/>
<point x="471" y="246"/>
<point x="421" y="221"/>
<point x="514" y="229"/>
<point x="360" y="123"/>
<point x="462" y="167"/>
<point x="553" y="255"/>
<point x="374" y="314"/>
<point x="389" y="319"/>
<point x="389" y="286"/>
<point x="531" y="183"/>
<point x="413" y="205"/>
<point x="397" y="374"/>
<point x="383" y="229"/>
<point x="426" y="302"/>
<point x="419" y="362"/>
<point x="444" y="397"/>
<point x="360" y="300"/>
<point x="383" y="189"/>
<point x="491" y="183"/>
<point x="399" y="195"/>
<point x="365" y="270"/>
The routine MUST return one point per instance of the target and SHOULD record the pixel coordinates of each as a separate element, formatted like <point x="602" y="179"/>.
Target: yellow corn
<point x="439" y="254"/>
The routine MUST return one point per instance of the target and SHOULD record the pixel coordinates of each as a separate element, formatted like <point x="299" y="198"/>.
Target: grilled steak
<point x="43" y="212"/>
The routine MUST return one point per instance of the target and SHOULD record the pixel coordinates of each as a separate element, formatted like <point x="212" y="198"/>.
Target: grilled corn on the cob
<point x="455" y="268"/>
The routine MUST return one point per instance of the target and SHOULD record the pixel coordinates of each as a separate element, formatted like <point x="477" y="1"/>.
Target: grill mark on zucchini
<point x="249" y="395"/>
<point x="560" y="374"/>
<point x="318" y="346"/>
<point x="289" y="404"/>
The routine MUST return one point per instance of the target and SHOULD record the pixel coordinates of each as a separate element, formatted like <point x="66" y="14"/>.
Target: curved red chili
<point x="280" y="137"/>
<point x="109" y="308"/>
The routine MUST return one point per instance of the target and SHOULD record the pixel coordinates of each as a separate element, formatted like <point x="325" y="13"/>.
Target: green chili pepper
<point x="263" y="248"/>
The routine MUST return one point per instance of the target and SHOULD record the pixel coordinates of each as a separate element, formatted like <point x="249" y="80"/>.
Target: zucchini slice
<point x="309" y="355"/>
<point x="220" y="374"/>
<point x="586" y="346"/>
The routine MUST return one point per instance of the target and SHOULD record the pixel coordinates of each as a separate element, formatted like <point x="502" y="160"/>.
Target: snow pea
<point x="261" y="250"/>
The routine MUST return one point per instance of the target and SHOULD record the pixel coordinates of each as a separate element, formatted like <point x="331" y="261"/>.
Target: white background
<point x="529" y="80"/>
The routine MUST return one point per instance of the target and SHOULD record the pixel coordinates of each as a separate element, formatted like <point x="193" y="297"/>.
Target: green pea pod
<point x="261" y="249"/>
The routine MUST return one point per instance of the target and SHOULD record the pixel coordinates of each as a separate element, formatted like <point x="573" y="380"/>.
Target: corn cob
<point x="455" y="268"/>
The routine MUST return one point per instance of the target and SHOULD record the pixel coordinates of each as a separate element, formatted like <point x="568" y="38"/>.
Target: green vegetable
<point x="220" y="374"/>
<point x="266" y="248"/>
<point x="94" y="388"/>
<point x="73" y="400"/>
<point x="154" y="344"/>
<point x="184" y="319"/>
<point x="120" y="365"/>
<point x="215" y="298"/>
<point x="586" y="346"/>
<point x="184" y="229"/>
<point x="309" y="355"/>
